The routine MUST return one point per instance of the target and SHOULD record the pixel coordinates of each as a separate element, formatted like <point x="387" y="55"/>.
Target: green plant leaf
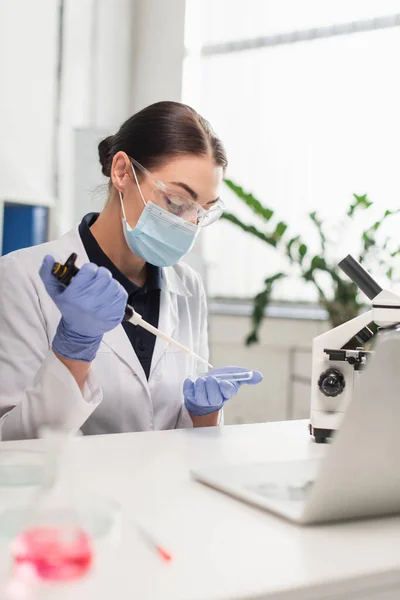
<point x="250" y="201"/>
<point x="368" y="237"/>
<point x="269" y="281"/>
<point x="389" y="213"/>
<point x="279" y="231"/>
<point x="260" y="302"/>
<point x="302" y="252"/>
<point x="359" y="202"/>
<point x="344" y="303"/>
<point x="268" y="239"/>
<point x="318" y="262"/>
<point x="385" y="244"/>
<point x="252" y="338"/>
<point x="289" y="246"/>
<point x="376" y="225"/>
<point x="319" y="226"/>
<point x="368" y="241"/>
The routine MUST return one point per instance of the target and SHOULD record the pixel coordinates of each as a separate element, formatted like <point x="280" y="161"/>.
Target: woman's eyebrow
<point x="191" y="192"/>
<point x="185" y="187"/>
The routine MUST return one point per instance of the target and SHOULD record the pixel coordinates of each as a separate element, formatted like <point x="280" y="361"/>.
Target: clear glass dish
<point x="24" y="478"/>
<point x="99" y="516"/>
<point x="21" y="477"/>
<point x="48" y="525"/>
<point x="21" y="468"/>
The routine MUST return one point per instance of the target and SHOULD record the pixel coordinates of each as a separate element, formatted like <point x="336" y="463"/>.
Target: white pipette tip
<point x="137" y="319"/>
<point x="202" y="360"/>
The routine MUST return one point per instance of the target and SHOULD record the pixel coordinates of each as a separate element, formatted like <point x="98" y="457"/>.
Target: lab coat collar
<point x="73" y="243"/>
<point x="167" y="323"/>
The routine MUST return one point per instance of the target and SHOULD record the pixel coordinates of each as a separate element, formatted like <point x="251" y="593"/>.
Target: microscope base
<point x="320" y="435"/>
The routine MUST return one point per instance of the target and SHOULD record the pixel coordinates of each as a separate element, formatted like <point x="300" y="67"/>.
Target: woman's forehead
<point x="200" y="173"/>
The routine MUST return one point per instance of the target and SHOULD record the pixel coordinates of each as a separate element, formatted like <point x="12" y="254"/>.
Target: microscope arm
<point x="339" y="336"/>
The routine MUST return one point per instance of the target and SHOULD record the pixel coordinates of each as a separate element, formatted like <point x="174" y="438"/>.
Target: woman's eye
<point x="175" y="208"/>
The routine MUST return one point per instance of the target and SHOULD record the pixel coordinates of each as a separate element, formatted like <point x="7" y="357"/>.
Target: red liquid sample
<point x="55" y="554"/>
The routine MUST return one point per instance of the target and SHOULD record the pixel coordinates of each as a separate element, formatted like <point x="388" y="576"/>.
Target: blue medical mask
<point x="159" y="237"/>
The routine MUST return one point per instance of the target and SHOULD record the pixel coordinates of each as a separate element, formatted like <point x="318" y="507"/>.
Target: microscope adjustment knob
<point x="331" y="383"/>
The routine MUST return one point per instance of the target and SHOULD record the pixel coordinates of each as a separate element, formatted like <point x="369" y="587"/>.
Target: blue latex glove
<point x="207" y="394"/>
<point x="92" y="304"/>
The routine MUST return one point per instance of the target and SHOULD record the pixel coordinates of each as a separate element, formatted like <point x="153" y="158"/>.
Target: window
<point x="306" y="97"/>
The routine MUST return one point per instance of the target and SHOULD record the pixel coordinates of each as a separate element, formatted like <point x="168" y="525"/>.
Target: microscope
<point x="336" y="367"/>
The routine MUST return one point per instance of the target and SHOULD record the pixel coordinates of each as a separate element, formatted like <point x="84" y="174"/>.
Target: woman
<point x="65" y="358"/>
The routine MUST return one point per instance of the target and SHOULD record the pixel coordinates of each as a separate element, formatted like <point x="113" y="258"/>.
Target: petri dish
<point x="234" y="376"/>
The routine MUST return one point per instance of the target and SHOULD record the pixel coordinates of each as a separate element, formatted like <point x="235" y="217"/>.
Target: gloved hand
<point x="208" y="394"/>
<point x="92" y="304"/>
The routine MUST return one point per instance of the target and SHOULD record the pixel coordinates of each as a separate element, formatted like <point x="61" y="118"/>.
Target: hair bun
<point x="105" y="149"/>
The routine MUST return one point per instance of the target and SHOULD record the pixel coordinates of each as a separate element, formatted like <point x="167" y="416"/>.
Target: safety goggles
<point x="179" y="205"/>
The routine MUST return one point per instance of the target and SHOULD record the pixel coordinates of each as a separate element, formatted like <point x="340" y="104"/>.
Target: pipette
<point x="154" y="543"/>
<point x="66" y="272"/>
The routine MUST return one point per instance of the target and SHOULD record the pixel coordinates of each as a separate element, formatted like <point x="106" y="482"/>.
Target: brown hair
<point x="161" y="131"/>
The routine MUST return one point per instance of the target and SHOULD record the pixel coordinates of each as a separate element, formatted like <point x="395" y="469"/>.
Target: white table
<point x="223" y="548"/>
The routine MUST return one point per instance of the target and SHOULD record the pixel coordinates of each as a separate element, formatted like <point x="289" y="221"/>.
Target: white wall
<point x="96" y="86"/>
<point x="27" y="100"/>
<point x="117" y="56"/>
<point x="133" y="57"/>
<point x="159" y="51"/>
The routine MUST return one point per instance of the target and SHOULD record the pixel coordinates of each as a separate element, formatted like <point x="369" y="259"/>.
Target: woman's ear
<point x="121" y="173"/>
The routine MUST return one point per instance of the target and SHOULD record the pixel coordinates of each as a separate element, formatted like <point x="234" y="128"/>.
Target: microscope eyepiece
<point x="360" y="277"/>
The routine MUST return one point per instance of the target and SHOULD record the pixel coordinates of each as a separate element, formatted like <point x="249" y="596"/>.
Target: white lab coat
<point x="36" y="388"/>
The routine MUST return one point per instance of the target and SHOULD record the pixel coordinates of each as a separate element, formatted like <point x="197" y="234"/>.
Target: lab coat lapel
<point x="172" y="288"/>
<point x="167" y="322"/>
<point x="118" y="342"/>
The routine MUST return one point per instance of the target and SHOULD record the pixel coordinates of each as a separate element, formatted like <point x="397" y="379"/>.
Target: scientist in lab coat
<point x="66" y="360"/>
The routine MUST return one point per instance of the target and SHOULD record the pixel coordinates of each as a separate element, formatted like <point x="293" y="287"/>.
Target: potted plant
<point x="337" y="294"/>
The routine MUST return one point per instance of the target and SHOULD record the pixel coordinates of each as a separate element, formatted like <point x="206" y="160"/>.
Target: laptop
<point x="360" y="475"/>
